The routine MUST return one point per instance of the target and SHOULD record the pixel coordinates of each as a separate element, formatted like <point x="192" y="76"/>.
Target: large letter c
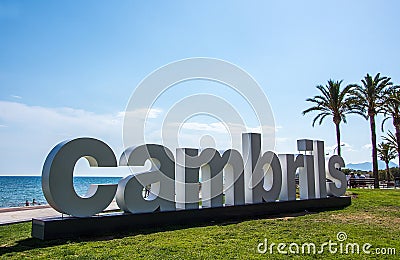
<point x="57" y="177"/>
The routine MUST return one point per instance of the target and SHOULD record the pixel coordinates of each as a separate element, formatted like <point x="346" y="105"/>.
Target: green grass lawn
<point x="373" y="217"/>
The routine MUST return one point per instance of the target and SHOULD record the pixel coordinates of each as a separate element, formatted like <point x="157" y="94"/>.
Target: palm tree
<point x="386" y="153"/>
<point x="391" y="109"/>
<point x="391" y="139"/>
<point x="371" y="96"/>
<point x="333" y="102"/>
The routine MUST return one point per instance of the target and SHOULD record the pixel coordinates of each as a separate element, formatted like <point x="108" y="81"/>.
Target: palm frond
<point x="391" y="139"/>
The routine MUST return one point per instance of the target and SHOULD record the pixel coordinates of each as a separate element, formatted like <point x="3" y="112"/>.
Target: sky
<point x="69" y="68"/>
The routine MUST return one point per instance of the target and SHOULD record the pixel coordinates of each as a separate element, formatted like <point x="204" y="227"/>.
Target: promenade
<point x="25" y="214"/>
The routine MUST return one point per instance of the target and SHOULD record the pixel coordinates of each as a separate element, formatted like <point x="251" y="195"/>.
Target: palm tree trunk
<point x="374" y="151"/>
<point x="398" y="141"/>
<point x="338" y="138"/>
<point x="387" y="170"/>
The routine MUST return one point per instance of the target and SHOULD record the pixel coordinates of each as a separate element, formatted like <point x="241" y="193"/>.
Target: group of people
<point x="27" y="203"/>
<point x="356" y="176"/>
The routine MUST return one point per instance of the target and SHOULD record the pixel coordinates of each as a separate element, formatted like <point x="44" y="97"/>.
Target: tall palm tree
<point x="391" y="109"/>
<point x="333" y="102"/>
<point x="386" y="153"/>
<point x="371" y="97"/>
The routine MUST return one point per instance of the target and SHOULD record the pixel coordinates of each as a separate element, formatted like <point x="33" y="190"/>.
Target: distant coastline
<point x="367" y="166"/>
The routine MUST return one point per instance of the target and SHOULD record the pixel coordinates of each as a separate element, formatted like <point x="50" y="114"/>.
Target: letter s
<point x="339" y="183"/>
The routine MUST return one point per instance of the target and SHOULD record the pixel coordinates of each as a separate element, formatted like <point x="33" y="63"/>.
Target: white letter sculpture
<point x="57" y="177"/>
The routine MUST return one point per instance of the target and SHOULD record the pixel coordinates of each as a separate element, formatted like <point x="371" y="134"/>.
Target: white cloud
<point x="56" y="120"/>
<point x="154" y="112"/>
<point x="16" y="96"/>
<point x="142" y="113"/>
<point x="217" y="127"/>
<point x="263" y="129"/>
<point x="32" y="131"/>
<point x="367" y="147"/>
<point x="28" y="133"/>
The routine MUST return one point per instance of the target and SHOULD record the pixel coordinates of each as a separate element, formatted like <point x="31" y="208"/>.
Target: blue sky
<point x="68" y="68"/>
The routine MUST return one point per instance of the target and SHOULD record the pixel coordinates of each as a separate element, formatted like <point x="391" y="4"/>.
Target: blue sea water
<point x="15" y="190"/>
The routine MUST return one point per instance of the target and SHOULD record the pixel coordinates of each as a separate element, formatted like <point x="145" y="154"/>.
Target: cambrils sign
<point x="249" y="178"/>
<point x="243" y="178"/>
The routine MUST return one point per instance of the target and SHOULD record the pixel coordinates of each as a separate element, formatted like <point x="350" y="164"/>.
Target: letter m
<point x="309" y="246"/>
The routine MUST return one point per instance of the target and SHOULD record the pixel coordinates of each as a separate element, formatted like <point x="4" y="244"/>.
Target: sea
<point x="16" y="190"/>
